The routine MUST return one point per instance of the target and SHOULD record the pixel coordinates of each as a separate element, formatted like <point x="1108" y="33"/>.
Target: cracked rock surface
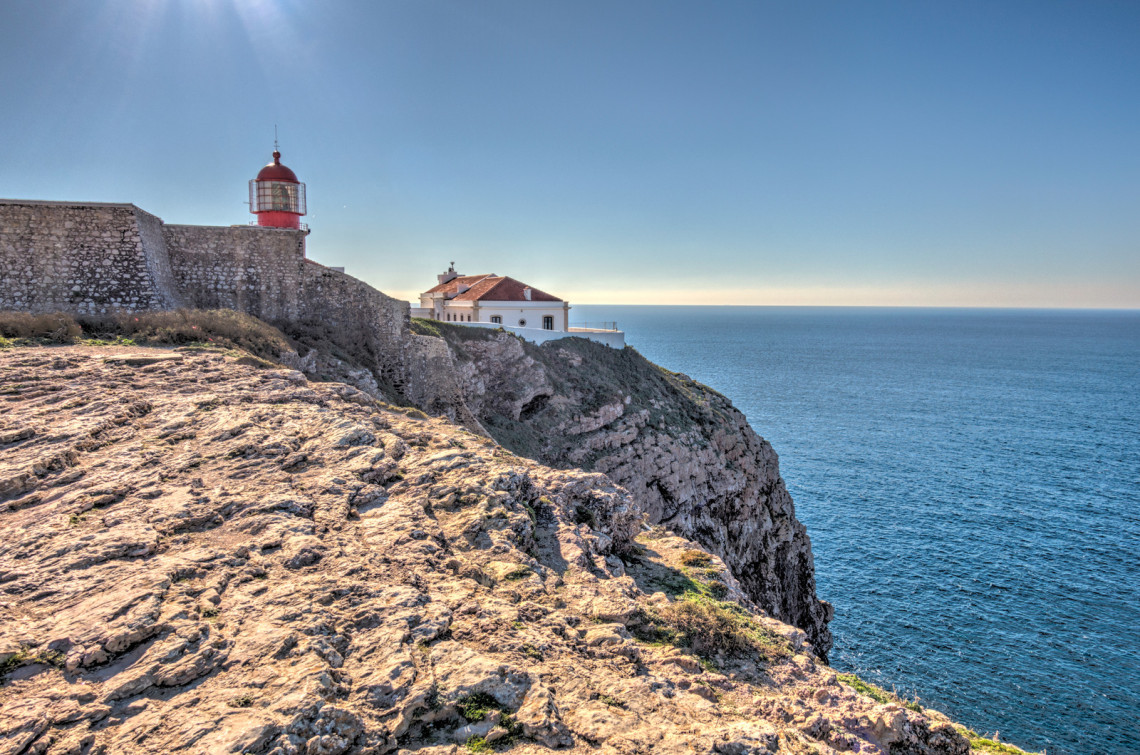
<point x="685" y="453"/>
<point x="200" y="555"/>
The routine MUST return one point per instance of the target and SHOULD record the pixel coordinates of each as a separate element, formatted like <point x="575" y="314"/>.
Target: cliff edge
<point x="687" y="456"/>
<point x="204" y="553"/>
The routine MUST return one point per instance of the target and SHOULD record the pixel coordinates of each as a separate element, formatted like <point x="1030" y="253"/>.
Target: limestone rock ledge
<point x="200" y="555"/>
<point x="685" y="453"/>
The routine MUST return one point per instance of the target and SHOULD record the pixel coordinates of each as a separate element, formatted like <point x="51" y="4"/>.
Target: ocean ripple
<point x="971" y="483"/>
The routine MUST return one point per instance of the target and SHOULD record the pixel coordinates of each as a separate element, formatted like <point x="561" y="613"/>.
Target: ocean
<point x="970" y="480"/>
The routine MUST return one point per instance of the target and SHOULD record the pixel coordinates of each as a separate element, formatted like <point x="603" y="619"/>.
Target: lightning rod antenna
<point x="275" y="147"/>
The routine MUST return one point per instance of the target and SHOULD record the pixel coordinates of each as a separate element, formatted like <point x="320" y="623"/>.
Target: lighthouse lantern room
<point x="276" y="197"/>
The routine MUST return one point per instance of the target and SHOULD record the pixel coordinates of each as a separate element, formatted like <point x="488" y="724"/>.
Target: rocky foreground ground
<point x="203" y="553"/>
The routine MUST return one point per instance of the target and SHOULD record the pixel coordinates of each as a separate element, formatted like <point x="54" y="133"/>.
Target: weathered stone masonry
<point x="96" y="258"/>
<point x="250" y="269"/>
<point x="86" y="258"/>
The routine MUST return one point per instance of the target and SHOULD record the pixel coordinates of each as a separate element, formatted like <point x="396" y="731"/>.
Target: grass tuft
<point x="709" y="628"/>
<point x="521" y="572"/>
<point x="478" y="744"/>
<point x="26" y="656"/>
<point x="223" y="328"/>
<point x="877" y="693"/>
<point x="983" y="744"/>
<point x="476" y="706"/>
<point x="696" y="559"/>
<point x="46" y="327"/>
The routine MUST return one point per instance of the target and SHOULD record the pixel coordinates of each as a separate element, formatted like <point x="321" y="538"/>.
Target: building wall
<point x="255" y="270"/>
<point x="512" y="312"/>
<point x="88" y="258"/>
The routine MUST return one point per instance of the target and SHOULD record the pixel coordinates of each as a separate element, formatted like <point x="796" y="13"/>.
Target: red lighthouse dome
<point x="276" y="197"/>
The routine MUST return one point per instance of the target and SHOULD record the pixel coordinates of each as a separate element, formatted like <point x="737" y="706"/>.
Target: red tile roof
<point x="453" y="285"/>
<point x="489" y="288"/>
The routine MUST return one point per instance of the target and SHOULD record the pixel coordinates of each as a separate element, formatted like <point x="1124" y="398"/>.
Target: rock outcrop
<point x="684" y="452"/>
<point x="199" y="554"/>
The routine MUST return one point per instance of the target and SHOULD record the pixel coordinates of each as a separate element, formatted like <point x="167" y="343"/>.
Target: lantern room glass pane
<point x="277" y="196"/>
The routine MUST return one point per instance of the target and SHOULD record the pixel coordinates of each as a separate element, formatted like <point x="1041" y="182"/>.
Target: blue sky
<point x="881" y="153"/>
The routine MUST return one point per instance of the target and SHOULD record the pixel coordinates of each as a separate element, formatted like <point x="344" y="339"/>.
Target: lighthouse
<point x="276" y="197"/>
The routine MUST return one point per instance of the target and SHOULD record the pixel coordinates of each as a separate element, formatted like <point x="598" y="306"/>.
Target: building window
<point x="497" y="319"/>
<point x="522" y="322"/>
<point x="548" y="322"/>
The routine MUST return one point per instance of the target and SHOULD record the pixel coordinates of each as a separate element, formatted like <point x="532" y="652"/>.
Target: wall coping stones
<point x="55" y="203"/>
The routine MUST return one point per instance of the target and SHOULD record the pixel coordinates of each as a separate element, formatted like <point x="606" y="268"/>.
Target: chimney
<point x="526" y="293"/>
<point x="450" y="275"/>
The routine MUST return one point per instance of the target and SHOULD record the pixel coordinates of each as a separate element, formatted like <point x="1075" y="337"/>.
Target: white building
<point x="498" y="301"/>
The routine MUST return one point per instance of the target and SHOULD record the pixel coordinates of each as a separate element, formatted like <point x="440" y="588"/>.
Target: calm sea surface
<point x="970" y="480"/>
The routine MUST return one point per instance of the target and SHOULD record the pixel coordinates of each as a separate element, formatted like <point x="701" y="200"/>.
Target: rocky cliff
<point x="200" y="552"/>
<point x="685" y="453"/>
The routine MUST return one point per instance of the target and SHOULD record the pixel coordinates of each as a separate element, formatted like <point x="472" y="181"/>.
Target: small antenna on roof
<point x="275" y="147"/>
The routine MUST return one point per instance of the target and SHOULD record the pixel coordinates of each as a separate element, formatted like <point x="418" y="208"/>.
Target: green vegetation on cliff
<point x="221" y="328"/>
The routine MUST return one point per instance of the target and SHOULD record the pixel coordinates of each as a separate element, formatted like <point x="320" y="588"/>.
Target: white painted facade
<point x="515" y="314"/>
<point x="470" y="300"/>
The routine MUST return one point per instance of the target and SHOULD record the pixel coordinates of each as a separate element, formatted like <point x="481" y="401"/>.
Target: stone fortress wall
<point x="100" y="258"/>
<point x="259" y="271"/>
<point x="88" y="258"/>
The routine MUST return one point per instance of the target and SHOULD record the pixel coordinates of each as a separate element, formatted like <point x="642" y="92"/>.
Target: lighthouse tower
<point x="276" y="197"/>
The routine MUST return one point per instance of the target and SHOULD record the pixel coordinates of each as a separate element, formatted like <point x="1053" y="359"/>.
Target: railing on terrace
<point x="594" y="325"/>
<point x="304" y="226"/>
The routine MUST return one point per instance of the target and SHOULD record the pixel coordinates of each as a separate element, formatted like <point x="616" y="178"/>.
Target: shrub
<point x="476" y="706"/>
<point x="54" y="327"/>
<point x="424" y="327"/>
<point x="220" y="327"/>
<point x="710" y="628"/>
<point x="697" y="559"/>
